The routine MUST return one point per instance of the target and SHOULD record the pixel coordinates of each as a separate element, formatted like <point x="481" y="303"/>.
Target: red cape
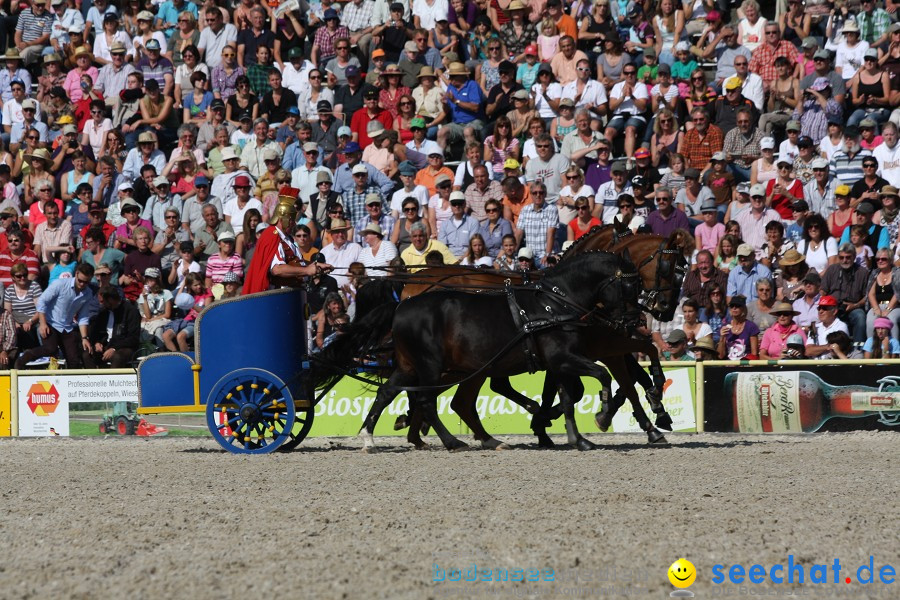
<point x="257" y="279"/>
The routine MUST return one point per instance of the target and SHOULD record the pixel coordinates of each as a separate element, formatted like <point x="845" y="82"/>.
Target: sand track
<point x="177" y="518"/>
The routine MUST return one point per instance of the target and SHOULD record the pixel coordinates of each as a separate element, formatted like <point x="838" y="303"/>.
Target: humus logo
<point x="43" y="398"/>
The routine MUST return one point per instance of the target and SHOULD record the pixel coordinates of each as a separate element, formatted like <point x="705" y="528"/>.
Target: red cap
<point x="642" y="153"/>
<point x="241" y="181"/>
<point x="828" y="301"/>
<point x="531" y="49"/>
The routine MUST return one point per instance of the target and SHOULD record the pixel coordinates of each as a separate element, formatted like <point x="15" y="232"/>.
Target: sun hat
<point x="425" y="72"/>
<point x="791" y="257"/>
<point x="783" y="308"/>
<point x="745" y="250"/>
<point x="359" y="169"/>
<point x="339" y="225"/>
<point x="704" y="343"/>
<point x="883" y="323"/>
<point x="525" y="252"/>
<point x="151" y="272"/>
<point x="225" y="236"/>
<point x="323" y="177"/>
<point x="373" y="228"/>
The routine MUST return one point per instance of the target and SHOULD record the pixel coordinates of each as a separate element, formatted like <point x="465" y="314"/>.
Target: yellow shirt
<point x="413" y="257"/>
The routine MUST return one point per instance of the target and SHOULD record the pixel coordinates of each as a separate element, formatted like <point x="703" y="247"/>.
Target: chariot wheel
<point x="248" y="410"/>
<point x="303" y="422"/>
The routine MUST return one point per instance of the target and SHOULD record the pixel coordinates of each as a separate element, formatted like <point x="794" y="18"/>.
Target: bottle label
<point x="875" y="401"/>
<point x="768" y="397"/>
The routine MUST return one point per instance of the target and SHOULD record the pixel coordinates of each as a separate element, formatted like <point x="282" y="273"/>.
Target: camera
<point x="73" y="144"/>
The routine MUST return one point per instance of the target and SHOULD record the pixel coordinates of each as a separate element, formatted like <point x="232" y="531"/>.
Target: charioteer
<point x="277" y="261"/>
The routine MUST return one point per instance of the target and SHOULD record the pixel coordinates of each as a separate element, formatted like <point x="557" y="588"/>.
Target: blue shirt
<point x="457" y="235"/>
<point x="883" y="239"/>
<point x="870" y="343"/>
<point x="62" y="305"/>
<point x="469" y="92"/>
<point x="343" y="180"/>
<point x="743" y="283"/>
<point x="135" y="161"/>
<point x="168" y="15"/>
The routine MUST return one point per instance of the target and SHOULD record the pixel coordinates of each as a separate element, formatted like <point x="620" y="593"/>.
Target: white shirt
<point x="849" y="59"/>
<point x="608" y="197"/>
<point x="430" y="15"/>
<point x="420" y="193"/>
<point x="554" y="92"/>
<point x="304" y="179"/>
<point x="296" y="80"/>
<point x="341" y="258"/>
<point x="753" y="89"/>
<point x="12" y="112"/>
<point x="428" y="147"/>
<point x="101" y="48"/>
<point x="231" y="209"/>
<point x="627" y="107"/>
<point x="138" y="42"/>
<point x="212" y="44"/>
<point x="888" y="162"/>
<point x="822" y="336"/>
<point x="593" y="94"/>
<point x="787" y="149"/>
<point x="829" y="149"/>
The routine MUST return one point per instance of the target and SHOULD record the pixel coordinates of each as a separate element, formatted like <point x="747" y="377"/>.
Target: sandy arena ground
<point x="179" y="518"/>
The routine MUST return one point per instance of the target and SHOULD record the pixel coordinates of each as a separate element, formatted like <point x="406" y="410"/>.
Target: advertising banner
<point x="5" y="407"/>
<point x="44" y="399"/>
<point x="804" y="397"/>
<point x="342" y="411"/>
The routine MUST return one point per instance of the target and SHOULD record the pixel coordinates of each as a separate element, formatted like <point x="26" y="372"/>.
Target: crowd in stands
<point x="145" y="143"/>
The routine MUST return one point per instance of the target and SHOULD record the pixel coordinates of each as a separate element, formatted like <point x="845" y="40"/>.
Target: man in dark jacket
<point x="114" y="333"/>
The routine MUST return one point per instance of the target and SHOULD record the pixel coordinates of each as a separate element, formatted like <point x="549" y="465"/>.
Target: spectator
<point x="114" y="333"/>
<point x="773" y="344"/>
<point x="876" y="236"/>
<point x="807" y="304"/>
<point x="537" y="224"/>
<point x="676" y="342"/>
<point x="817" y="345"/>
<point x="738" y="338"/>
<point x="846" y="281"/>
<point x="742" y="281"/>
<point x="699" y="281"/>
<point x="665" y="219"/>
<point x="701" y="141"/>
<point x="882" y="344"/>
<point x="341" y="253"/>
<point x="65" y="303"/>
<point x="459" y="228"/>
<point x="420" y="246"/>
<point x="883" y="292"/>
<point x="760" y="310"/>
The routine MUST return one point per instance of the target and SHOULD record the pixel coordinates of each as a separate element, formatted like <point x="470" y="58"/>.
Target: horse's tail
<point x="355" y="341"/>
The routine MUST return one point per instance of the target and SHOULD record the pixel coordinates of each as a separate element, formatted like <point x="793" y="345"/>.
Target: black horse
<point x="443" y="337"/>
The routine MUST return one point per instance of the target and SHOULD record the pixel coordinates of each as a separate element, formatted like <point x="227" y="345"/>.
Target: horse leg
<point x="620" y="370"/>
<point x="383" y="398"/>
<point x="428" y="405"/>
<point x="502" y="386"/>
<point x="655" y="392"/>
<point x="463" y="404"/>
<point x="568" y="392"/>
<point x="547" y="412"/>
<point x="416" y="423"/>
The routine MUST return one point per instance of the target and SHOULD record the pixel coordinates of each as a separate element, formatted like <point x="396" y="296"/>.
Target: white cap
<point x="228" y="154"/>
<point x="457" y="195"/>
<point x="360" y="168"/>
<point x="758" y="190"/>
<point x="819" y="163"/>
<point x="526" y="252"/>
<point x="125" y="186"/>
<point x="767" y="143"/>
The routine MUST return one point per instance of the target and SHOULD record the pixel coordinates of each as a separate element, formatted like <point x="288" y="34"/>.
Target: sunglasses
<point x="414" y="209"/>
<point x="491" y="210"/>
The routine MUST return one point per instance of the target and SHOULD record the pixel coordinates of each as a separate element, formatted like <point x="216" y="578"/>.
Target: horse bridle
<point x="648" y="298"/>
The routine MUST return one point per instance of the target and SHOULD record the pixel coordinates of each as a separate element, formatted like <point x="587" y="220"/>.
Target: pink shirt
<point x="708" y="237"/>
<point x="73" y="82"/>
<point x="775" y="339"/>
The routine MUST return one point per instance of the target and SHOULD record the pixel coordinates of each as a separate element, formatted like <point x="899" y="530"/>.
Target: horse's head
<point x="671" y="267"/>
<point x="661" y="266"/>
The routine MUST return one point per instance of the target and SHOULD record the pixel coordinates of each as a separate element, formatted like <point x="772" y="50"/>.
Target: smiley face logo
<point x="682" y="573"/>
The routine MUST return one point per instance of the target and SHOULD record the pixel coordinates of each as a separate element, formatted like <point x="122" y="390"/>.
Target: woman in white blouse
<point x="379" y="253"/>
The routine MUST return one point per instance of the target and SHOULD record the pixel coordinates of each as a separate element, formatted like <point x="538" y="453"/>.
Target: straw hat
<point x="339" y="225"/>
<point x="373" y="228"/>
<point x="459" y="68"/>
<point x="82" y="51"/>
<point x="791" y="257"/>
<point x="41" y="153"/>
<point x="518" y="5"/>
<point x="391" y="69"/>
<point x="704" y="343"/>
<point x="426" y="72"/>
<point x="783" y="308"/>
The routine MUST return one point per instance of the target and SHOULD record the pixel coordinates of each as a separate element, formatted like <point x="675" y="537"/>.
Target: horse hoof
<point x="656" y="438"/>
<point x="664" y="421"/>
<point x="601" y="420"/>
<point x="422" y="447"/>
<point x="583" y="445"/>
<point x="401" y="423"/>
<point x="492" y="444"/>
<point x="369" y="450"/>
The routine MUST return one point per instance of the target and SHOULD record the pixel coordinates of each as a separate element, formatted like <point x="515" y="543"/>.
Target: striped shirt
<point x="22" y="307"/>
<point x="34" y="26"/>
<point x="216" y="267"/>
<point x="29" y="259"/>
<point x="849" y="170"/>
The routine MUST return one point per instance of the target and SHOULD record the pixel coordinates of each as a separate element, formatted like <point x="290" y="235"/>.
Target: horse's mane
<point x="595" y="230"/>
